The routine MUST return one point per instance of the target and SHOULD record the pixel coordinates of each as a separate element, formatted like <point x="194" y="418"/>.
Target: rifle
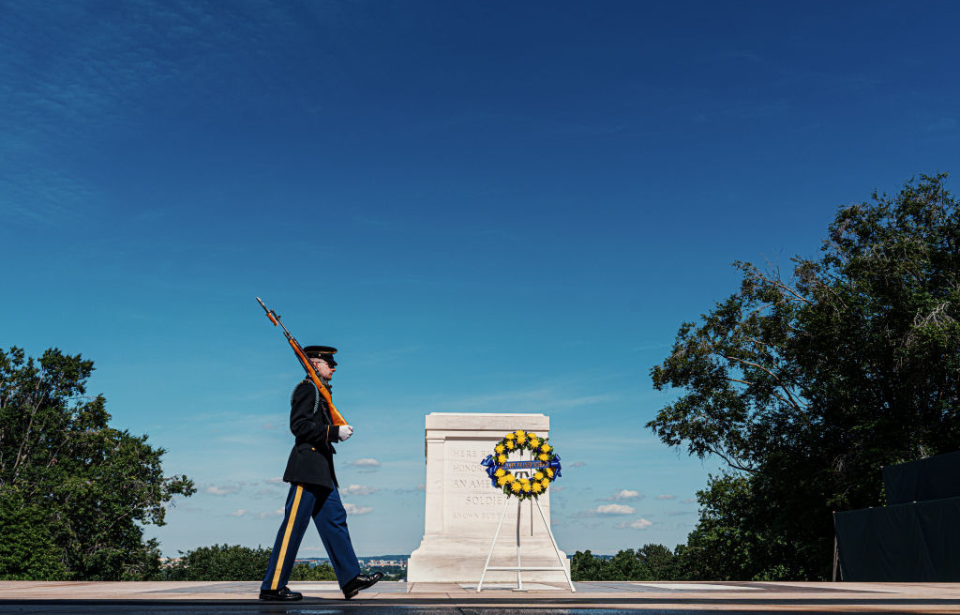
<point x="307" y="365"/>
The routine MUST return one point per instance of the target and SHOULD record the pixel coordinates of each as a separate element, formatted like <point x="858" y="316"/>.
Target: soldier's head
<point x="322" y="359"/>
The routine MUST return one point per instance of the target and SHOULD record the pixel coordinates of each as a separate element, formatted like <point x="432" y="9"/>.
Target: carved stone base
<point x="461" y="561"/>
<point x="463" y="509"/>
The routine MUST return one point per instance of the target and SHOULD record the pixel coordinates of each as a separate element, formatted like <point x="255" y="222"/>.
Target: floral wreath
<point x="545" y="465"/>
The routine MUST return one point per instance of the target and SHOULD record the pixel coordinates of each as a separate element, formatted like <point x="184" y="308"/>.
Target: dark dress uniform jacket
<point x="311" y="460"/>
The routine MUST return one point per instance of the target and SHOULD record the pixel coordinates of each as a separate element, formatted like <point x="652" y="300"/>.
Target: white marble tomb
<point x="463" y="509"/>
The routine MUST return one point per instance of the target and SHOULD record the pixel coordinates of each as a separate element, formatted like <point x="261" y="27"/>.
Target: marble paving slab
<point x="697" y="587"/>
<point x="527" y="586"/>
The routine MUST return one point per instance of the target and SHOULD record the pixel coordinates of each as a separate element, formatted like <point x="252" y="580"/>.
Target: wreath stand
<point x="518" y="567"/>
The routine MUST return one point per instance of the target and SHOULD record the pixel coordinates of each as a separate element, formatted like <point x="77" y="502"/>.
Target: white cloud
<point x="407" y="490"/>
<point x="625" y="494"/>
<point x="578" y="464"/>
<point x="614" y="509"/>
<point x="689" y="501"/>
<point x="276" y="480"/>
<point x="221" y="490"/>
<point x="353" y="509"/>
<point x="366" y="463"/>
<point x="243" y="512"/>
<point x="359" y="490"/>
<point x="664" y="496"/>
<point x="639" y="524"/>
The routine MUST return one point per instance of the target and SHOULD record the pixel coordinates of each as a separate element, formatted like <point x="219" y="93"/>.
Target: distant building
<point x="166" y="562"/>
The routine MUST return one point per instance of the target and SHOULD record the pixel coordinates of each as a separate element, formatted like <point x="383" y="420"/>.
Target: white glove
<point x="345" y="432"/>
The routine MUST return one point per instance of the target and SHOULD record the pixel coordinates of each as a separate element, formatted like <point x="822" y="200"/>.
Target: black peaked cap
<point x="322" y="352"/>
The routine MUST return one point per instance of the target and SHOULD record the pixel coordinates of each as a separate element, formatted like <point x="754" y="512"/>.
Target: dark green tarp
<point x="919" y="541"/>
<point x="933" y="478"/>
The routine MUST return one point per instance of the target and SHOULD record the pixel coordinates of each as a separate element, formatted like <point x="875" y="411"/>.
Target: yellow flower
<point x="546" y="482"/>
<point x="531" y="435"/>
<point x="546" y="448"/>
<point x="501" y="472"/>
<point x="526" y="487"/>
<point x="549" y="472"/>
<point x="525" y="480"/>
<point x="538" y="476"/>
<point x="514" y="487"/>
<point x="521" y="440"/>
<point x="501" y="459"/>
<point x="509" y="436"/>
<point x="520" y="433"/>
<point x="502" y="481"/>
<point x="542" y="457"/>
<point x="534" y="442"/>
<point x="510" y="444"/>
<point x="537" y="487"/>
<point x="499" y="448"/>
<point x="511" y="478"/>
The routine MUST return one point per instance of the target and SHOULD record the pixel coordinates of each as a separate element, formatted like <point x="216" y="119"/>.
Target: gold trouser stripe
<point x="286" y="539"/>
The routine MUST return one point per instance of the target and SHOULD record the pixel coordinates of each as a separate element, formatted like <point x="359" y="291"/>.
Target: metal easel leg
<point x="506" y="502"/>
<point x="519" y="580"/>
<point x="555" y="547"/>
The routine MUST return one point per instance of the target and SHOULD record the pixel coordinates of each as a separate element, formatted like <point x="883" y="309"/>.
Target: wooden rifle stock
<point x="335" y="415"/>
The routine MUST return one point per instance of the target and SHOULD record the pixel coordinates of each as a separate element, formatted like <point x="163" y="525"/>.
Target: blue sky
<point x="488" y="207"/>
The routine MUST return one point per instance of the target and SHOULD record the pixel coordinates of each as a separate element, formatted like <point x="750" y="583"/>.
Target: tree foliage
<point x="306" y="572"/>
<point x="220" y="563"/>
<point x="807" y="386"/>
<point x="237" y="563"/>
<point x="27" y="550"/>
<point x="70" y="485"/>
<point x="651" y="562"/>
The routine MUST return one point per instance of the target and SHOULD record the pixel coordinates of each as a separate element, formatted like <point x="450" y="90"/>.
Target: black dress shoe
<point x="283" y="593"/>
<point x="361" y="581"/>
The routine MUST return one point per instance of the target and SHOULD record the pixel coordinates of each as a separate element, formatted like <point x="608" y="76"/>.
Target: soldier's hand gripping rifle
<point x="307" y="365"/>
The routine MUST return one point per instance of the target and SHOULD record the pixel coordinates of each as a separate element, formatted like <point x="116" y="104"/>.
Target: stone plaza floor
<point x="416" y="598"/>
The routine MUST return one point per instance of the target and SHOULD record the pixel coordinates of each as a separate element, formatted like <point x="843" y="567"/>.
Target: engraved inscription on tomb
<point x="471" y="502"/>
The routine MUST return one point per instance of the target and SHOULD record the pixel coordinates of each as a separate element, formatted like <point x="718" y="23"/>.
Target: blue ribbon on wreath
<point x="491" y="467"/>
<point x="555" y="466"/>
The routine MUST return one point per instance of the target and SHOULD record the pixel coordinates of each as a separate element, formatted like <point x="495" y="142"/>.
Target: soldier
<point x="313" y="490"/>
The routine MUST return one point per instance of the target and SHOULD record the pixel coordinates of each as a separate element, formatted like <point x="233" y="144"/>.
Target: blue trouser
<point x="324" y="505"/>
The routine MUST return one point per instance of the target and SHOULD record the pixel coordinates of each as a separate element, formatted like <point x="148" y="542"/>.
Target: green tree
<point x="725" y="543"/>
<point x="306" y="572"/>
<point x="650" y="563"/>
<point x="657" y="562"/>
<point x="221" y="563"/>
<point x="584" y="566"/>
<point x="807" y="386"/>
<point x="70" y="482"/>
<point x="27" y="551"/>
<point x="624" y="566"/>
<point x="237" y="563"/>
